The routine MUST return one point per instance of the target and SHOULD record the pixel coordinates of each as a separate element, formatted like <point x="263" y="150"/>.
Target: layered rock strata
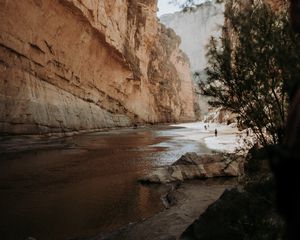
<point x="72" y="65"/>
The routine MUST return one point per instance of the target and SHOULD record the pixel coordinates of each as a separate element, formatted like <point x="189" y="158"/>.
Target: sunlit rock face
<point x="195" y="27"/>
<point x="72" y="65"/>
<point x="221" y="115"/>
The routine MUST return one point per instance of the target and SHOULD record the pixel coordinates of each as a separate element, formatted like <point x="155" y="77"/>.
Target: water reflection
<point x="82" y="185"/>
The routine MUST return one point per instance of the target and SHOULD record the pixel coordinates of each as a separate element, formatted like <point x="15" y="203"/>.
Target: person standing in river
<point x="216" y="132"/>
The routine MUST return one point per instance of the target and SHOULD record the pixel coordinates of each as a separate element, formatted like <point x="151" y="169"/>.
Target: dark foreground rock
<point x="188" y="201"/>
<point x="240" y="214"/>
<point x="193" y="166"/>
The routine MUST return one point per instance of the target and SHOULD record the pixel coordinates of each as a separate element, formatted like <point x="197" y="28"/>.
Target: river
<point x="81" y="185"/>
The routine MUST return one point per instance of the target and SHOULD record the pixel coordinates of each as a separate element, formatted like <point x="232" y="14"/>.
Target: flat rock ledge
<point x="193" y="166"/>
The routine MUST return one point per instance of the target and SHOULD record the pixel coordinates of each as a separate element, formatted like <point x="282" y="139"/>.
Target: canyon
<point x="195" y="26"/>
<point x="81" y="66"/>
<point x="84" y="65"/>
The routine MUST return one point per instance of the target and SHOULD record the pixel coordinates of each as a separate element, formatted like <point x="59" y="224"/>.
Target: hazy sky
<point x="165" y="7"/>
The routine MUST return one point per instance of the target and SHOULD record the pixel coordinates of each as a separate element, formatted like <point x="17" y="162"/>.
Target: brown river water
<point x="79" y="186"/>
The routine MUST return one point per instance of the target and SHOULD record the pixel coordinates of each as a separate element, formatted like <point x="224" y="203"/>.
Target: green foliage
<point x="251" y="65"/>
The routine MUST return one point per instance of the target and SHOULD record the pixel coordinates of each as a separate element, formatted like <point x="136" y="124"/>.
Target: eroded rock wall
<point x="196" y="26"/>
<point x="71" y="65"/>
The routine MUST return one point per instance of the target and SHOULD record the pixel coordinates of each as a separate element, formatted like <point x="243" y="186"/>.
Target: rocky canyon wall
<point x="77" y="65"/>
<point x="195" y="26"/>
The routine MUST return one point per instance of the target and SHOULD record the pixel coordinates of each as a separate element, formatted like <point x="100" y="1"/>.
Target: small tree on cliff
<point x="249" y="68"/>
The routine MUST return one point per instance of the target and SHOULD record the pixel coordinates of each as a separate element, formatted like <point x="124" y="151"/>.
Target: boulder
<point x="193" y="166"/>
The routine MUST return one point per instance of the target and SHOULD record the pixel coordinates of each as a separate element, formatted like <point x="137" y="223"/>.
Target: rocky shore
<point x="193" y="166"/>
<point x="214" y="207"/>
<point x="245" y="212"/>
<point x="194" y="182"/>
<point x="184" y="204"/>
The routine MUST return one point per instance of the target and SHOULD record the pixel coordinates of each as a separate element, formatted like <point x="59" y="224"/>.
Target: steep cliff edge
<point x="71" y="65"/>
<point x="195" y="26"/>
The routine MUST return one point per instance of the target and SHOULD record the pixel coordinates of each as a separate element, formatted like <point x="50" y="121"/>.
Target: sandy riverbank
<point x="229" y="139"/>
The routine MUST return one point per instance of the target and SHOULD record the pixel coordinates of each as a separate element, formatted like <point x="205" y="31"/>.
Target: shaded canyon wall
<point x="73" y="65"/>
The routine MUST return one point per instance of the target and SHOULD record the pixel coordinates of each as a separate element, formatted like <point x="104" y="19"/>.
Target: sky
<point x="165" y="7"/>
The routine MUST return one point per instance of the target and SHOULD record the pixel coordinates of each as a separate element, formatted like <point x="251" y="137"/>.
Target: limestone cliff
<point x="195" y="26"/>
<point x="72" y="65"/>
